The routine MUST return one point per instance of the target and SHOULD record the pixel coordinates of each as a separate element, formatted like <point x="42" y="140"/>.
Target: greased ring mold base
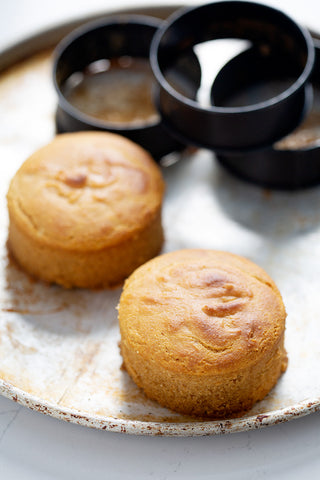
<point x="113" y="37"/>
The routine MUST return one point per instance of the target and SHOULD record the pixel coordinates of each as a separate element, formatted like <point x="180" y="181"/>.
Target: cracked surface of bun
<point x="202" y="331"/>
<point x="86" y="195"/>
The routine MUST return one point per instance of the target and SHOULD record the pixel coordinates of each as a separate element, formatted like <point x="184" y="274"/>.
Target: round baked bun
<point x="85" y="210"/>
<point x="202" y="332"/>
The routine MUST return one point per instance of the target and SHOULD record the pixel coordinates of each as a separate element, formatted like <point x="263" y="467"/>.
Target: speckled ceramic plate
<point x="59" y="349"/>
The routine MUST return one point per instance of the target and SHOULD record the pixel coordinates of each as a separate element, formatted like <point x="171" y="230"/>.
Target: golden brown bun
<point x="202" y="332"/>
<point x="85" y="210"/>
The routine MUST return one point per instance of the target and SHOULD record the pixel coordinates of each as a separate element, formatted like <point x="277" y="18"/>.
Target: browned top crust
<point x="201" y="311"/>
<point x="86" y="190"/>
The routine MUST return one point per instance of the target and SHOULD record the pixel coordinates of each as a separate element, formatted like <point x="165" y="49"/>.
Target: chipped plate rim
<point x="137" y="427"/>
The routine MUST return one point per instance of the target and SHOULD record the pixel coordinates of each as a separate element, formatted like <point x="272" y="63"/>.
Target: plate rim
<point x="139" y="427"/>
